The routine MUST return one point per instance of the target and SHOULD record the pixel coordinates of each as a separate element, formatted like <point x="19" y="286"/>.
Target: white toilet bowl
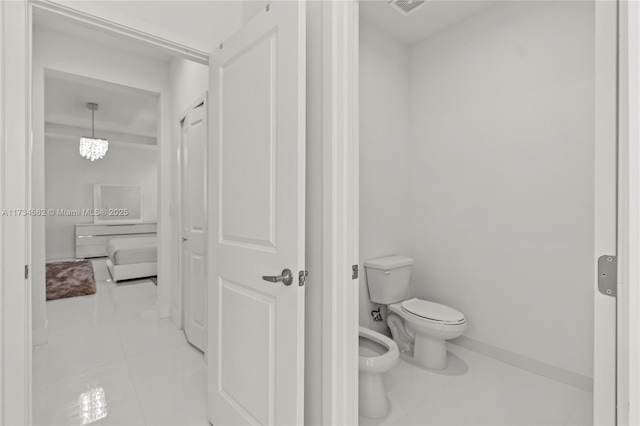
<point x="378" y="354"/>
<point x="419" y="327"/>
<point x="429" y="325"/>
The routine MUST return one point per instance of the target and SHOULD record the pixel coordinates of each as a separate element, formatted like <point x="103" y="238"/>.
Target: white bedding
<point x="127" y="251"/>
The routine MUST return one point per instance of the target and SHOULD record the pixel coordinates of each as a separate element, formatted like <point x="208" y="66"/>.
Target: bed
<point x="130" y="258"/>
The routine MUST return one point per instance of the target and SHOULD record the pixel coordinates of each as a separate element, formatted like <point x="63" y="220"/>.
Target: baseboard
<point x="40" y="336"/>
<point x="540" y="368"/>
<point x="60" y="256"/>
<point x="163" y="309"/>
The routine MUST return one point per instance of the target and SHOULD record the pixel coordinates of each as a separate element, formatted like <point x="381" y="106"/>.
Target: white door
<point x="193" y="225"/>
<point x="257" y="194"/>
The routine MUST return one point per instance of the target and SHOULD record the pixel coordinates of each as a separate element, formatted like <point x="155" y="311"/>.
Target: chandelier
<point x="93" y="148"/>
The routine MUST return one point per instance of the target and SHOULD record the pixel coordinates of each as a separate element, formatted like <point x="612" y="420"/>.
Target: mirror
<point x="117" y="203"/>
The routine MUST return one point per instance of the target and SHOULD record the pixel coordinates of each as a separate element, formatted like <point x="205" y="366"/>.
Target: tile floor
<point x="112" y="347"/>
<point x="478" y="390"/>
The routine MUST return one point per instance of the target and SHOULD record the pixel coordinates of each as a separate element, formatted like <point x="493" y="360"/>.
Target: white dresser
<point x="92" y="239"/>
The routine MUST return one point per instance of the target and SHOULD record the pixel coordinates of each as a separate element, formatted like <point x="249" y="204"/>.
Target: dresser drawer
<point x="92" y="239"/>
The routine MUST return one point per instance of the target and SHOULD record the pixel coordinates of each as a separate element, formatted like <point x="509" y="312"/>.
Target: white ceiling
<point x="424" y="21"/>
<point x="203" y="24"/>
<point x="130" y="111"/>
<point x="206" y="21"/>
<point x="126" y="111"/>
<point x="200" y="24"/>
<point x="92" y="34"/>
<point x="121" y="109"/>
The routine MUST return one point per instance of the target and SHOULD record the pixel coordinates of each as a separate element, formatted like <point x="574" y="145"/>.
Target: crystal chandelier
<point x="93" y="148"/>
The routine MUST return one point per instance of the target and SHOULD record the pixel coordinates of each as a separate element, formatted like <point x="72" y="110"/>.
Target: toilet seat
<point x="382" y="362"/>
<point x="372" y="395"/>
<point x="431" y="311"/>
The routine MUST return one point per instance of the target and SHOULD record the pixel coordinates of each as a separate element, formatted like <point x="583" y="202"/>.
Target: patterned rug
<point x="70" y="279"/>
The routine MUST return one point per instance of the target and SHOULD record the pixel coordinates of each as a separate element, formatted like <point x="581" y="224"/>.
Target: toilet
<point x="420" y="328"/>
<point x="377" y="354"/>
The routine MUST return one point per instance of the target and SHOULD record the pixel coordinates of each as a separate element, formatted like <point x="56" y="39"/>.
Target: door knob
<point x="286" y="277"/>
<point x="185" y="239"/>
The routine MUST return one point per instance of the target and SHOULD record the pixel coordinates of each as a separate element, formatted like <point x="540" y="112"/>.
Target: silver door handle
<point x="286" y="277"/>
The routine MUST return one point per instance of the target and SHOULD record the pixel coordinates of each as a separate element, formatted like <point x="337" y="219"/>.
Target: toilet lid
<point x="433" y="311"/>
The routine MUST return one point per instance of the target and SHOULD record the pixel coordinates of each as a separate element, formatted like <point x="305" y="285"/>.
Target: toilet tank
<point x="388" y="278"/>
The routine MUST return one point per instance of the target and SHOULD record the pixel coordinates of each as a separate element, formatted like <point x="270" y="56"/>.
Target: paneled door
<point x="193" y="225"/>
<point x="257" y="199"/>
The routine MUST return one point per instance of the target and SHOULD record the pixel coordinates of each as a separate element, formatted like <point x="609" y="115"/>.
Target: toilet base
<point x="430" y="352"/>
<point x="373" y="401"/>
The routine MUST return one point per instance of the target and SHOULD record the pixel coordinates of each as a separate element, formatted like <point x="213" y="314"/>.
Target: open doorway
<point x="117" y="353"/>
<point x="452" y="100"/>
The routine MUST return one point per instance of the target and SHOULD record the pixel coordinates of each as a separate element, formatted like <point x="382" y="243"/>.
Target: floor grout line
<point x="126" y="356"/>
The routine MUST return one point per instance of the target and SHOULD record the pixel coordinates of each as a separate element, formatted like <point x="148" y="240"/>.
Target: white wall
<point x="188" y="82"/>
<point x="251" y="8"/>
<point x="502" y="167"/>
<point x="499" y="214"/>
<point x="55" y="51"/>
<point x="69" y="180"/>
<point x="384" y="154"/>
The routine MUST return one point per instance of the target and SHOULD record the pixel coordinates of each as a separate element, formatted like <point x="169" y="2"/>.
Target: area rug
<point x="70" y="279"/>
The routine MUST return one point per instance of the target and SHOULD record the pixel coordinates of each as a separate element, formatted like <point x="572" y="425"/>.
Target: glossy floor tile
<point x="111" y="361"/>
<point x="478" y="390"/>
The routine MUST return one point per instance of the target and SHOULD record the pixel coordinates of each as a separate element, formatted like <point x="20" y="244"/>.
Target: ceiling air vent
<point x="406" y="6"/>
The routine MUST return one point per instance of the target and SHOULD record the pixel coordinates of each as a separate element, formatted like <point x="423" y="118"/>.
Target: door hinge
<point x="354" y="272"/>
<point x="26" y="271"/>
<point x="608" y="275"/>
<point x="302" y="277"/>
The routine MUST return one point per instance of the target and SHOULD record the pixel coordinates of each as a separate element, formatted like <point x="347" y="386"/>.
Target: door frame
<point x="15" y="247"/>
<point x="626" y="377"/>
<point x="608" y="379"/>
<point x="340" y="170"/>
<point x="178" y="316"/>
<point x="628" y="333"/>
